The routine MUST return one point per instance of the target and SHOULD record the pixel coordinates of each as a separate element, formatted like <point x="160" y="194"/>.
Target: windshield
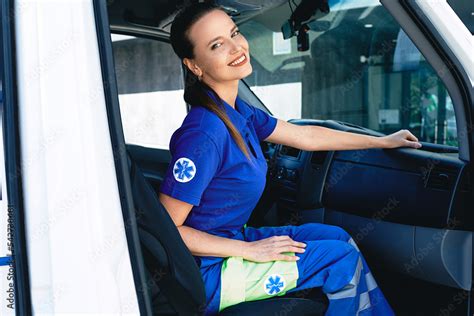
<point x="360" y="68"/>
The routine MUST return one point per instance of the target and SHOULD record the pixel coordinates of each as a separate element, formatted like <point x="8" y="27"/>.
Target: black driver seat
<point x="174" y="281"/>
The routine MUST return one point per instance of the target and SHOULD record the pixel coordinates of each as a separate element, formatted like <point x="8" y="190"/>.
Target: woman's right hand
<point x="272" y="248"/>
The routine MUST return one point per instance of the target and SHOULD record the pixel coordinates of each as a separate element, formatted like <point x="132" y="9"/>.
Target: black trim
<point x="141" y="32"/>
<point x="262" y="107"/>
<point x="120" y="155"/>
<point x="454" y="66"/>
<point x="12" y="162"/>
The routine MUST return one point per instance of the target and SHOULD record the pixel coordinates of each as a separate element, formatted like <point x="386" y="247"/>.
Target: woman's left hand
<point x="402" y="138"/>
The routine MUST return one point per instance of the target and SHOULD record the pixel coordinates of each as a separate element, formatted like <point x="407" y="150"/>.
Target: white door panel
<point x="77" y="249"/>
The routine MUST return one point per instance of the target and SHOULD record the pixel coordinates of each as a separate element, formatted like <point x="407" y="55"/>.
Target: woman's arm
<point x="198" y="242"/>
<point x="313" y="138"/>
<point x="203" y="244"/>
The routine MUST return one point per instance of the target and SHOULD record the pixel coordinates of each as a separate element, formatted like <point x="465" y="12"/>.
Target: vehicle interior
<point x="351" y="67"/>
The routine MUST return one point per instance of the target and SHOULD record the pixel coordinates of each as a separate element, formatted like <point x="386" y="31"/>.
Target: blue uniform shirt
<point x="210" y="171"/>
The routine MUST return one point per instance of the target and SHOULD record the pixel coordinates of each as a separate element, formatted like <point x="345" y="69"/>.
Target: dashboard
<point x="299" y="176"/>
<point x="432" y="183"/>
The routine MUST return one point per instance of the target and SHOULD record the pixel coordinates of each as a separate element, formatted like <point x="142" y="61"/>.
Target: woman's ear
<point x="192" y="67"/>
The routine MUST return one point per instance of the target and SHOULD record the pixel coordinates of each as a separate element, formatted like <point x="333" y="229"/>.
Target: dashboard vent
<point x="441" y="178"/>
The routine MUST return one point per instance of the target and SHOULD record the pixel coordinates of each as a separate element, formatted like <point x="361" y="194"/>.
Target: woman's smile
<point x="239" y="61"/>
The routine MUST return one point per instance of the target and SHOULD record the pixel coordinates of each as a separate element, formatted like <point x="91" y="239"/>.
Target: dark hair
<point x="195" y="91"/>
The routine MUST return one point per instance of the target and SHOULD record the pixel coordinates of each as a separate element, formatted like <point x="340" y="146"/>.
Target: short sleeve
<point x="195" y="161"/>
<point x="263" y="123"/>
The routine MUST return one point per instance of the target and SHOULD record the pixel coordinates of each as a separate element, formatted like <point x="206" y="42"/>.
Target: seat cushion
<point x="287" y="306"/>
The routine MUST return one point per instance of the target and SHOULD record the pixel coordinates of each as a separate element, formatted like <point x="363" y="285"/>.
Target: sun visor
<point x="160" y="13"/>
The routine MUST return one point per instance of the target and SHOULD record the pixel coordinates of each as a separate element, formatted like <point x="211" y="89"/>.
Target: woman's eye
<point x="216" y="45"/>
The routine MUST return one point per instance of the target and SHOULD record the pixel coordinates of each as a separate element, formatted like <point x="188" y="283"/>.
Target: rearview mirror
<point x="300" y="20"/>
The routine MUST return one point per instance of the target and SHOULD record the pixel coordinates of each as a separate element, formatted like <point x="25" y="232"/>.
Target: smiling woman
<point x="208" y="61"/>
<point x="212" y="58"/>
<point x="217" y="174"/>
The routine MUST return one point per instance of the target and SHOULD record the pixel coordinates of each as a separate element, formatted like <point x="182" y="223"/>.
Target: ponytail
<point x="196" y="91"/>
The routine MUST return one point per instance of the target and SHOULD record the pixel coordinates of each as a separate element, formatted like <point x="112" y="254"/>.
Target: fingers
<point x="284" y="244"/>
<point x="290" y="249"/>
<point x="286" y="241"/>
<point x="276" y="248"/>
<point x="283" y="257"/>
<point x="280" y="238"/>
<point x="410" y="139"/>
<point x="413" y="144"/>
<point x="290" y="243"/>
<point x="292" y="246"/>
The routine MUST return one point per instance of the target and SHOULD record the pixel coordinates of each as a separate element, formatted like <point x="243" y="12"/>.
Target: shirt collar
<point x="238" y="116"/>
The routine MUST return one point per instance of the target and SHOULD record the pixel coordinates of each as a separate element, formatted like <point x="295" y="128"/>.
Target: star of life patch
<point x="184" y="170"/>
<point x="274" y="284"/>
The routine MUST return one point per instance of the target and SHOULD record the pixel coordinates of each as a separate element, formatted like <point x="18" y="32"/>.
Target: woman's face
<point x="221" y="53"/>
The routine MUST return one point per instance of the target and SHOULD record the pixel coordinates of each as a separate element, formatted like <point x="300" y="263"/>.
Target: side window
<point x="150" y="85"/>
<point x="360" y="68"/>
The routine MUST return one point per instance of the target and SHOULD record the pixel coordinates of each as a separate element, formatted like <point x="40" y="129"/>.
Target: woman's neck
<point x="227" y="92"/>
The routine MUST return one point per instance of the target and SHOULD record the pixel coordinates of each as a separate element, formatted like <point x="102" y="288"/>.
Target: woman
<point x="217" y="175"/>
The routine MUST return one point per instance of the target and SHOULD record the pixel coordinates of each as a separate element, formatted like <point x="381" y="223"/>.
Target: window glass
<point x="465" y="10"/>
<point x="360" y="68"/>
<point x="150" y="85"/>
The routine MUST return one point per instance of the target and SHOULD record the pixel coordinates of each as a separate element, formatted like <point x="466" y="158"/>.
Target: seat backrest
<point x="174" y="280"/>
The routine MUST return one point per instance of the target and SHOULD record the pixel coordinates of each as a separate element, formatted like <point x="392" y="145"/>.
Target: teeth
<point x="238" y="61"/>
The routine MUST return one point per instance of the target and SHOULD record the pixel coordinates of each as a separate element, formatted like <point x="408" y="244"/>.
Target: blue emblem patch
<point x="184" y="170"/>
<point x="274" y="284"/>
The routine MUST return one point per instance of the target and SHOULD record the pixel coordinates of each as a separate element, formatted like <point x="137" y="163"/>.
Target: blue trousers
<point x="331" y="261"/>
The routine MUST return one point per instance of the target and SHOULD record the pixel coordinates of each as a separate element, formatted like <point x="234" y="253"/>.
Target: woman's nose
<point x="236" y="47"/>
